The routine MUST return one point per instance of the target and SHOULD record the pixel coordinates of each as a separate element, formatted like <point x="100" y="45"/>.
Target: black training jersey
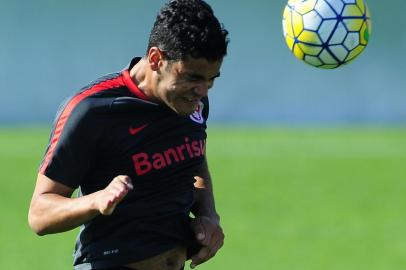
<point x="110" y="128"/>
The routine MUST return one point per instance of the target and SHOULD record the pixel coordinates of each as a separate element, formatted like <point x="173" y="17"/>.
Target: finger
<point x="120" y="194"/>
<point x="212" y="235"/>
<point x="121" y="186"/>
<point x="110" y="201"/>
<point x="116" y="193"/>
<point x="199" y="230"/>
<point x="113" y="199"/>
<point x="116" y="188"/>
<point x="206" y="253"/>
<point x="130" y="186"/>
<point x="208" y="237"/>
<point x="215" y="248"/>
<point x="108" y="208"/>
<point x="218" y="236"/>
<point x="199" y="257"/>
<point x="126" y="180"/>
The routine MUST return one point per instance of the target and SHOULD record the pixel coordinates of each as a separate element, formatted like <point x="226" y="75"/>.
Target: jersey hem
<point x="123" y="260"/>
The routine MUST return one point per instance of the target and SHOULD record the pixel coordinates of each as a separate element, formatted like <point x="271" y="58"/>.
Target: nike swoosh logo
<point x="134" y="131"/>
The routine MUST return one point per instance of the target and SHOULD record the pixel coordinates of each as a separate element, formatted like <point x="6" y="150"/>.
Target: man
<point x="134" y="144"/>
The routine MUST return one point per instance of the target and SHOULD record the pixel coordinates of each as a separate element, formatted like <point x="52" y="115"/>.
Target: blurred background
<point x="50" y="49"/>
<point x="309" y="163"/>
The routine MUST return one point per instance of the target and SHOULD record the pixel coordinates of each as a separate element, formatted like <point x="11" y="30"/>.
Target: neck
<point x="141" y="74"/>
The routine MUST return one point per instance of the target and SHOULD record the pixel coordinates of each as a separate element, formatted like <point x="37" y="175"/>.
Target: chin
<point x="183" y="110"/>
<point x="185" y="113"/>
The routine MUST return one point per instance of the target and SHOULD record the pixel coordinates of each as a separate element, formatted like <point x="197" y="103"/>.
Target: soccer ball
<point x="326" y="33"/>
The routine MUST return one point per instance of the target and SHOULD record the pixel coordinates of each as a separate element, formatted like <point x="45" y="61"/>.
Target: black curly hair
<point x="188" y="28"/>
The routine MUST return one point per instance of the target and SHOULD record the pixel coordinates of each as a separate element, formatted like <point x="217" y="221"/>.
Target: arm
<point x="205" y="205"/>
<point x="206" y="225"/>
<point x="52" y="209"/>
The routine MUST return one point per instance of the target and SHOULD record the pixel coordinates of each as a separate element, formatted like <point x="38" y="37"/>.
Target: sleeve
<point x="72" y="146"/>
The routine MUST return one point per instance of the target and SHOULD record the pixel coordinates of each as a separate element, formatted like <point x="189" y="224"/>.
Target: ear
<point x="155" y="58"/>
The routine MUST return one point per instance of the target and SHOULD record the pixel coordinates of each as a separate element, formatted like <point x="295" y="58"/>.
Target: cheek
<point x="166" y="89"/>
<point x="170" y="94"/>
<point x="172" y="90"/>
<point x="179" y="89"/>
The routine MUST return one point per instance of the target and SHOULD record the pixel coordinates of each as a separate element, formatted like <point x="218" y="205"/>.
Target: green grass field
<point x="290" y="199"/>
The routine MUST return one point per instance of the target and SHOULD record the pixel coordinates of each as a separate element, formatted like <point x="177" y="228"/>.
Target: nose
<point x="202" y="89"/>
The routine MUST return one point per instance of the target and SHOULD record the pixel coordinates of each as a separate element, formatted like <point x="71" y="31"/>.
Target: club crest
<point x="197" y="115"/>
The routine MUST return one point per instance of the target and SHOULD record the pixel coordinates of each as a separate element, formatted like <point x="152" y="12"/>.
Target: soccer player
<point x="133" y="143"/>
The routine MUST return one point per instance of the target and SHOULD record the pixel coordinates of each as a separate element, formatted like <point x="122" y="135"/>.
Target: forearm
<point x="206" y="224"/>
<point x="53" y="213"/>
<point x="204" y="197"/>
<point x="204" y="203"/>
<point x="52" y="209"/>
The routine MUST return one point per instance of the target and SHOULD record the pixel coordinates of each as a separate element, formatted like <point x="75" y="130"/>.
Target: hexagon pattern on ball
<point x="326" y="33"/>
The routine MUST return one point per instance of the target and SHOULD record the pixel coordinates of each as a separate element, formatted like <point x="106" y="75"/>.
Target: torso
<point x="110" y="132"/>
<point x="173" y="259"/>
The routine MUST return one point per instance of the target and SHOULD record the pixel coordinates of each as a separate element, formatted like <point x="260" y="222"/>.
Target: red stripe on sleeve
<point x="105" y="85"/>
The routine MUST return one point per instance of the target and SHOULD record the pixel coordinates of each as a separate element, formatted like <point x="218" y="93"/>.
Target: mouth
<point x="186" y="105"/>
<point x="191" y="100"/>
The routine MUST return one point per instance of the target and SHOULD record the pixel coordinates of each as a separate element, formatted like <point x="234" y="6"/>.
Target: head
<point x="185" y="51"/>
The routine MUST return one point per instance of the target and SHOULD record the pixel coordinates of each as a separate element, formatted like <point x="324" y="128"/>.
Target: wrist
<point x="94" y="202"/>
<point x="214" y="217"/>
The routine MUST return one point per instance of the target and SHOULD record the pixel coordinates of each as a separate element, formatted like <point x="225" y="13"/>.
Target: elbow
<point x="40" y="231"/>
<point x="35" y="224"/>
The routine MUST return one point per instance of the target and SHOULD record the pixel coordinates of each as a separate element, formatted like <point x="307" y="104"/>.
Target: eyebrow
<point x="195" y="76"/>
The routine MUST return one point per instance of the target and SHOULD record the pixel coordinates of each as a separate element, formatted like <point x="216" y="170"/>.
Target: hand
<point x="208" y="234"/>
<point x="108" y="198"/>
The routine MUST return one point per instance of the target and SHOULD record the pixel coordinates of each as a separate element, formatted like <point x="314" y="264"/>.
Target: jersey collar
<point x="130" y="83"/>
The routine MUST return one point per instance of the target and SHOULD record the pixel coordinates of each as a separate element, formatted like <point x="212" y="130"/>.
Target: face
<point x="182" y="84"/>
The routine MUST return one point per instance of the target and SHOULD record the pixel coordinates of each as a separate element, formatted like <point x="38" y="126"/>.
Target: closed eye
<point x="196" y="77"/>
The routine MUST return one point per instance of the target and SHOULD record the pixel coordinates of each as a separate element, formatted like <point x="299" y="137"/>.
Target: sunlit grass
<point x="289" y="199"/>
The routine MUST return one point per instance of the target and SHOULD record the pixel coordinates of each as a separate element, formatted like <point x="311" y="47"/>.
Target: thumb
<point x="199" y="230"/>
